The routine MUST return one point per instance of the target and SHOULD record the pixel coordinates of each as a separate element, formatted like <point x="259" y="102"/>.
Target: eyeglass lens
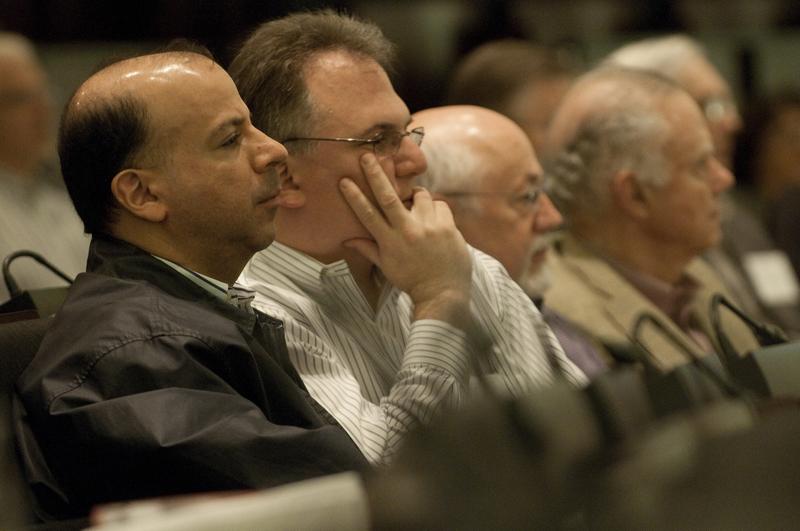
<point x="389" y="142"/>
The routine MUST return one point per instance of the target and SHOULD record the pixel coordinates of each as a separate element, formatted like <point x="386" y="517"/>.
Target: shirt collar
<point x="672" y="299"/>
<point x="308" y="273"/>
<point x="324" y="283"/>
<point x="213" y="286"/>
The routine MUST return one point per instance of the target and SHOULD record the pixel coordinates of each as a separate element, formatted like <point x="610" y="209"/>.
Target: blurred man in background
<point x="516" y="78"/>
<point x="636" y="176"/>
<point x="482" y="164"/>
<point x="34" y="214"/>
<point x="746" y="258"/>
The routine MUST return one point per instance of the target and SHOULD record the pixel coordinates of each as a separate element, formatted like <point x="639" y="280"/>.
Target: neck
<point x="634" y="250"/>
<point x="363" y="272"/>
<point x="218" y="262"/>
<point x="361" y="269"/>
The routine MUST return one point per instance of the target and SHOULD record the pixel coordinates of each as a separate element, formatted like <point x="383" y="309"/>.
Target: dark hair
<point x="268" y="69"/>
<point x="103" y="137"/>
<point x="490" y="75"/>
<point x="94" y="144"/>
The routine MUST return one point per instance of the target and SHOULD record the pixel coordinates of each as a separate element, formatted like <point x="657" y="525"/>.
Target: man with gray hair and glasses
<point x="747" y="260"/>
<point x="635" y="174"/>
<point x="376" y="308"/>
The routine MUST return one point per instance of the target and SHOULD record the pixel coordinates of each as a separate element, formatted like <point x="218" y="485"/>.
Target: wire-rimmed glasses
<point x="385" y="143"/>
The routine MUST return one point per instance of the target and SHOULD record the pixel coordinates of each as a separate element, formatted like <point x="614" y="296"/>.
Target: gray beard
<point x="535" y="284"/>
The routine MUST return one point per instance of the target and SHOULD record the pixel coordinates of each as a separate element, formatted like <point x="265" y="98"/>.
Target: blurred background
<point x="754" y="43"/>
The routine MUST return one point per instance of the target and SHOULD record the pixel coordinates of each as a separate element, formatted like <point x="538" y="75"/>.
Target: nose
<point x="409" y="160"/>
<point x="267" y="151"/>
<point x="721" y="177"/>
<point x="547" y="217"/>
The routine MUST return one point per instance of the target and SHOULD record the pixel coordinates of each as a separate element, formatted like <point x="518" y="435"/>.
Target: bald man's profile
<point x="156" y="377"/>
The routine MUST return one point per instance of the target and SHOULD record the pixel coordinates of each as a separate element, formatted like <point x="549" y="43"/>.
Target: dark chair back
<point x="19" y="342"/>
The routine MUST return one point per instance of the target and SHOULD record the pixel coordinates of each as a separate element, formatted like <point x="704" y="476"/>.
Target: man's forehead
<point x="352" y="91"/>
<point x="688" y="133"/>
<point x="701" y="80"/>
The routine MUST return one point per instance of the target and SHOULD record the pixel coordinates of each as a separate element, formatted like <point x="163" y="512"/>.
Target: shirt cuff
<point x="438" y="344"/>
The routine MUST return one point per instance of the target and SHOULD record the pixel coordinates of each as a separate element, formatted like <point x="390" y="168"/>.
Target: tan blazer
<point x="588" y="291"/>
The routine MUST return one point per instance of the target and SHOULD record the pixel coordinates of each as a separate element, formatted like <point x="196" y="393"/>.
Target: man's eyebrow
<point x="535" y="177"/>
<point x="234" y="122"/>
<point x="383" y="126"/>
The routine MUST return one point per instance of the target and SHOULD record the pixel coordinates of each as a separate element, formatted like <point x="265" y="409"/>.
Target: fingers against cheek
<point x="353" y="195"/>
<point x="370" y="166"/>
<point x="376" y="178"/>
<point x="364" y="210"/>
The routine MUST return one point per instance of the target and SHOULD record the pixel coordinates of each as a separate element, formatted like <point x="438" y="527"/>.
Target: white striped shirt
<point x="377" y="372"/>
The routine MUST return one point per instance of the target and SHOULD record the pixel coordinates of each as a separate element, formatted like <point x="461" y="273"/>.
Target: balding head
<point x="611" y="120"/>
<point x="483" y="165"/>
<point x="683" y="60"/>
<point x="634" y="170"/>
<point x="159" y="151"/>
<point x="108" y="125"/>
<point x="464" y="144"/>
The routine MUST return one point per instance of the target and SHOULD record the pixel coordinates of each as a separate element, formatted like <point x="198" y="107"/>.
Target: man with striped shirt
<point x="377" y="308"/>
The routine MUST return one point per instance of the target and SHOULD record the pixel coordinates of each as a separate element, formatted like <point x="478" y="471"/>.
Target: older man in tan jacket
<point x="636" y="176"/>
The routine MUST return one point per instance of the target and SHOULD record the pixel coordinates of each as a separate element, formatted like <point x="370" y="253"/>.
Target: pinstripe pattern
<point x="379" y="373"/>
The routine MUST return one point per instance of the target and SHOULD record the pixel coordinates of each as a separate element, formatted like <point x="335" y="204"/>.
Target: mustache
<point x="543" y="242"/>
<point x="272" y="178"/>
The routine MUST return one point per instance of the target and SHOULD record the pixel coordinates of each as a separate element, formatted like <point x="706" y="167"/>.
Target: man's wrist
<point x="449" y="306"/>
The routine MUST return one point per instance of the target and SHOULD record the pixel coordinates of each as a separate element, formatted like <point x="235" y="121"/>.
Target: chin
<point x="263" y="242"/>
<point x="536" y="283"/>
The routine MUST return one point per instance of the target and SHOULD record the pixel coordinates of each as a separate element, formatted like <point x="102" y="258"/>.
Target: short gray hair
<point x="452" y="168"/>
<point x="665" y="55"/>
<point x="625" y="133"/>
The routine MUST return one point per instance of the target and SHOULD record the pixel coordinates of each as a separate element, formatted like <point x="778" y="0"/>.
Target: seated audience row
<point x="259" y="310"/>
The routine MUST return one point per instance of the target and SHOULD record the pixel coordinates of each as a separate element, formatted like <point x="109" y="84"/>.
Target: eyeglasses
<point x="527" y="202"/>
<point x="386" y="143"/>
<point x="718" y="108"/>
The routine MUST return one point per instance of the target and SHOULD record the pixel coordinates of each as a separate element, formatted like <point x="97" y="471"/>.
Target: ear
<point x="629" y="195"/>
<point x="290" y="194"/>
<point x="132" y="190"/>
